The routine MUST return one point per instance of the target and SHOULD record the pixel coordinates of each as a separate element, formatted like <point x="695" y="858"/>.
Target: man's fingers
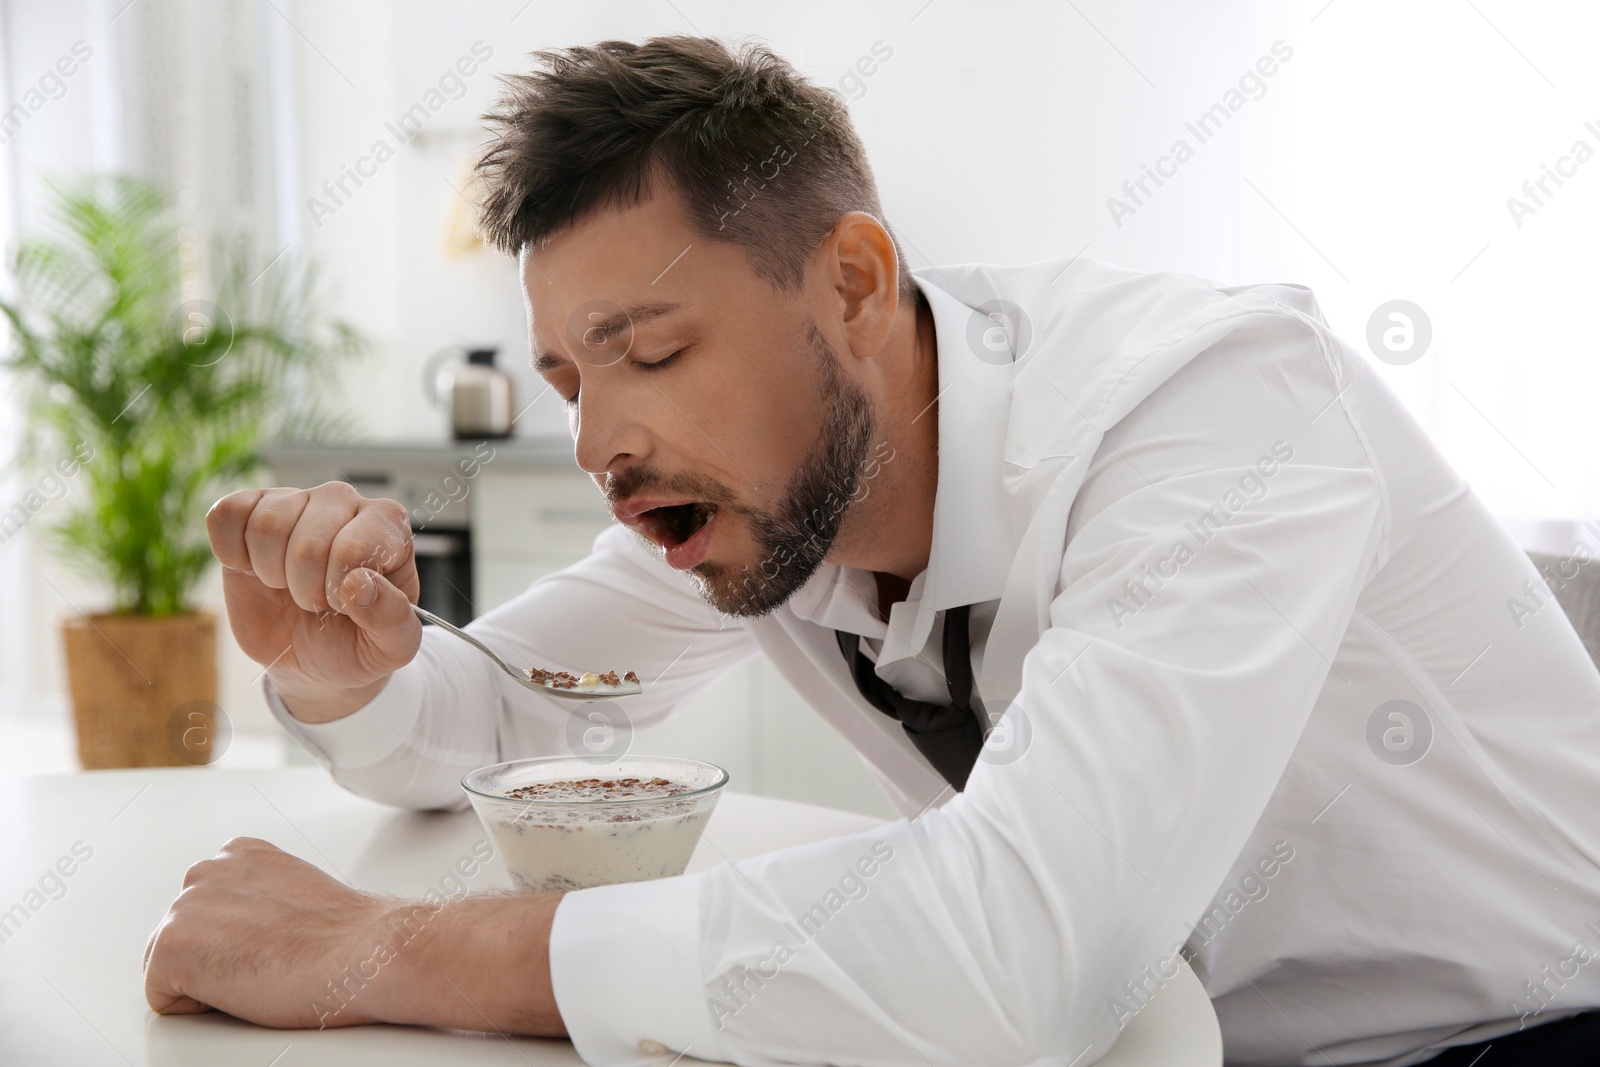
<point x="390" y="631"/>
<point x="230" y="850"/>
<point x="307" y="540"/>
<point x="291" y="553"/>
<point x="245" y="844"/>
<point x="267" y="530"/>
<point x="164" y="1003"/>
<point x="328" y="510"/>
<point x="378" y="538"/>
<point x="225" y="526"/>
<point x="159" y="994"/>
<point x="161" y="990"/>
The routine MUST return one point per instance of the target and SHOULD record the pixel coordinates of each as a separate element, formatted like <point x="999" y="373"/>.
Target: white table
<point x="70" y="985"/>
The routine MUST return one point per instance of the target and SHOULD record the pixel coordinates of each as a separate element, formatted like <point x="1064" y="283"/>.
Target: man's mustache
<point x="637" y="481"/>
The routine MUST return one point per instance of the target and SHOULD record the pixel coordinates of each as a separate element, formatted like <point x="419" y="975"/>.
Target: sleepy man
<point x="1163" y="625"/>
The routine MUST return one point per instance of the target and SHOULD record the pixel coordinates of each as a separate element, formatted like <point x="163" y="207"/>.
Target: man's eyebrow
<point x="637" y="315"/>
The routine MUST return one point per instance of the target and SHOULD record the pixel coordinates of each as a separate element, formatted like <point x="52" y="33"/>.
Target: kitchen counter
<point x="546" y="451"/>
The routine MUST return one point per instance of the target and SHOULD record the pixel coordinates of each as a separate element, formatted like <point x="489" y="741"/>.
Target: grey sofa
<point x="1579" y="596"/>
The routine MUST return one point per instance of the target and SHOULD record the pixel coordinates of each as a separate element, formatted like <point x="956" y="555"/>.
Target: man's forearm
<point x="479" y="963"/>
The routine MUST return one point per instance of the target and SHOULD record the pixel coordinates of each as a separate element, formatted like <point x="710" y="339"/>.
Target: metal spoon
<point x="593" y="692"/>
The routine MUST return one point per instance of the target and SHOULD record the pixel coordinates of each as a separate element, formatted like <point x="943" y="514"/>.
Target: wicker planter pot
<point x="144" y="690"/>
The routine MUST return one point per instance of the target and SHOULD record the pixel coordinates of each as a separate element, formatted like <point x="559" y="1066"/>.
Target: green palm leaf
<point x="171" y="397"/>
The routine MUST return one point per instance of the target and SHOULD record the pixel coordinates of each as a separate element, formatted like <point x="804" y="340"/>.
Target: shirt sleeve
<point x="450" y="710"/>
<point x="1214" y="555"/>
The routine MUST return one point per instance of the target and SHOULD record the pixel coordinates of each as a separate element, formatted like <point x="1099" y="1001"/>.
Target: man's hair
<point x="759" y="157"/>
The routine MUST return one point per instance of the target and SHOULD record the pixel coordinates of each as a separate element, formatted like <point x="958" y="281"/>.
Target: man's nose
<point x="605" y="431"/>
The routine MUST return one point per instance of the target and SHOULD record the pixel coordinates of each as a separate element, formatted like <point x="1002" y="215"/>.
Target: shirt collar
<point x="973" y="547"/>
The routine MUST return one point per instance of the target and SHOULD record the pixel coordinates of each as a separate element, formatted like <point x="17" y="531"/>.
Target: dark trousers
<point x="1572" y="1042"/>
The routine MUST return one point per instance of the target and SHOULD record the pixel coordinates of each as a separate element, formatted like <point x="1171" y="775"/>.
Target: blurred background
<point x="1438" y="153"/>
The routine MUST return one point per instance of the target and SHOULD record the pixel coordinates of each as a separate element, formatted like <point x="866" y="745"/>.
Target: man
<point x="1236" y="636"/>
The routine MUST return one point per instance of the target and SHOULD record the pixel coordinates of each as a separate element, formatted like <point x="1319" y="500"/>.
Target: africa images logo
<point x="450" y="85"/>
<point x="1203" y="127"/>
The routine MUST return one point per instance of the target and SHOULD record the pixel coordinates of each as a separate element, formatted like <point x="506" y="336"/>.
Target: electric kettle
<point x="477" y="393"/>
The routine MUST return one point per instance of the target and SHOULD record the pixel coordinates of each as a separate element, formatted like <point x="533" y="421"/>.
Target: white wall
<point x="996" y="132"/>
<point x="1415" y="124"/>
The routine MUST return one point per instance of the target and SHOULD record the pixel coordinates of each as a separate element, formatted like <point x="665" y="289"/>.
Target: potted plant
<point x="155" y="400"/>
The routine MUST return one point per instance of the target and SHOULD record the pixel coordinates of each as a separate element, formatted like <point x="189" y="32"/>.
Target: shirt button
<point x="652" y="1048"/>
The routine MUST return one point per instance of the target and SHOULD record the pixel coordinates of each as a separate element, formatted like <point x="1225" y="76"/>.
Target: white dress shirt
<point x="1258" y="697"/>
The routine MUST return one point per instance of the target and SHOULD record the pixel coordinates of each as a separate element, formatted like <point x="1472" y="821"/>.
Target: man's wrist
<point x="313" y="703"/>
<point x="478" y="963"/>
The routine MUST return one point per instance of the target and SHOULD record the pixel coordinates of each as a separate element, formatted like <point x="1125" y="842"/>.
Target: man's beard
<point x="795" y="536"/>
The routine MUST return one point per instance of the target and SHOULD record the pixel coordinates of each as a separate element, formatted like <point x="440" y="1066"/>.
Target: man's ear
<point x="862" y="270"/>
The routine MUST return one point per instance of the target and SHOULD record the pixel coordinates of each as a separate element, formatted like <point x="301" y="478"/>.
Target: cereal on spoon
<point x="568" y="680"/>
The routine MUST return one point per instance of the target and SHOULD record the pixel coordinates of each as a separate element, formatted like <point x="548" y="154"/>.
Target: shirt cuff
<point x="625" y="970"/>
<point x="365" y="737"/>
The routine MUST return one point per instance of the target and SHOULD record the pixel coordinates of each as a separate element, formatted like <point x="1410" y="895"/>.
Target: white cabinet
<point x="524" y="510"/>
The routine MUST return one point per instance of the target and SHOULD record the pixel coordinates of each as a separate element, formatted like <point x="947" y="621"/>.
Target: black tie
<point x="949" y="737"/>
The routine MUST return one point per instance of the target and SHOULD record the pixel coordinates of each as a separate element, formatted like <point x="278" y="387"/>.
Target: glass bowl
<point x="583" y="825"/>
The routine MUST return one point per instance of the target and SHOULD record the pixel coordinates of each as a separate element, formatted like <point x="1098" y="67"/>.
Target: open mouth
<point x="672" y="526"/>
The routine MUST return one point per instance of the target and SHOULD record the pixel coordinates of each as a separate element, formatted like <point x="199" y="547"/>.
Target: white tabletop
<point x="70" y="985"/>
